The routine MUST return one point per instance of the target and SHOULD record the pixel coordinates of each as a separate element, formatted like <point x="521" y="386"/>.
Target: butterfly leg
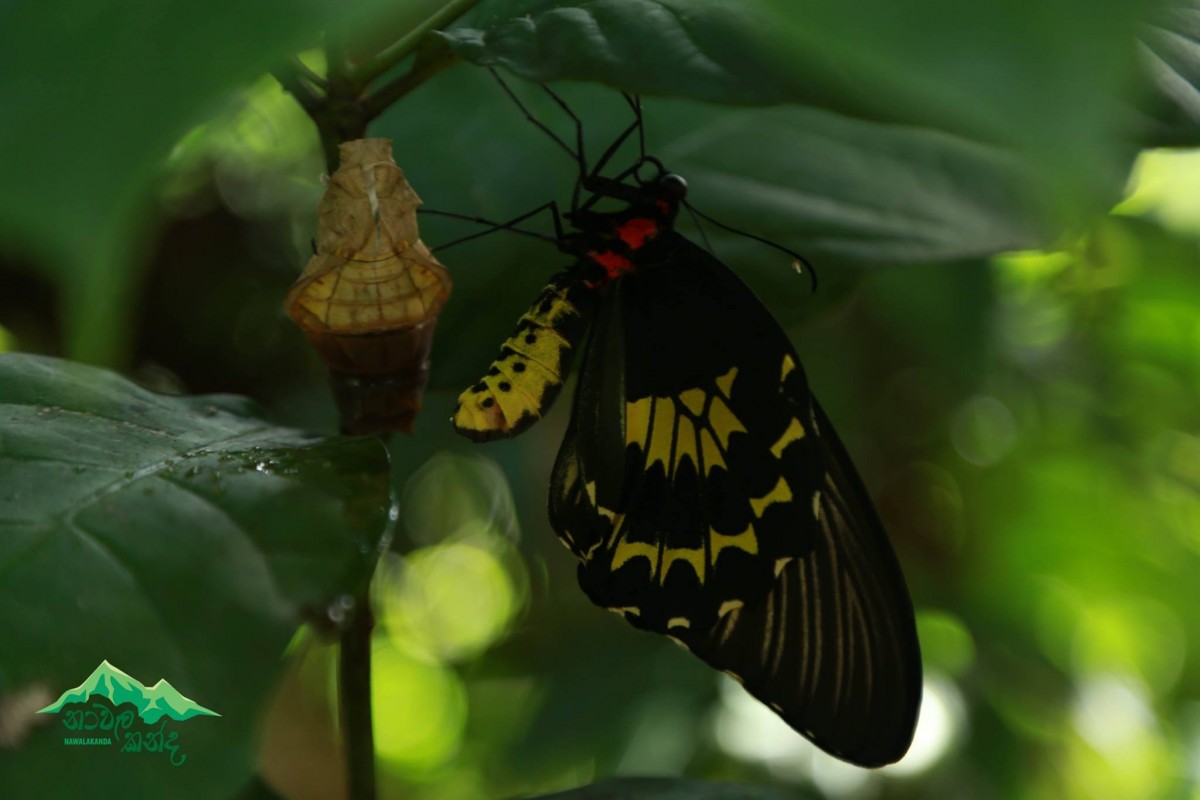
<point x="579" y="146"/>
<point x="593" y="179"/>
<point x="511" y="225"/>
<point x="577" y="156"/>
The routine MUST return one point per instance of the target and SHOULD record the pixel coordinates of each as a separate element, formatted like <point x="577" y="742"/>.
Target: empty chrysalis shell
<point x="369" y="298"/>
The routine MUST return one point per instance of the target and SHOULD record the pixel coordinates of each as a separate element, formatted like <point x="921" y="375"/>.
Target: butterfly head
<point x="672" y="188"/>
<point x="664" y="188"/>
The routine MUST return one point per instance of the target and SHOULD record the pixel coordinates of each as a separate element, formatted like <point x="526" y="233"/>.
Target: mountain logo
<point x="121" y="709"/>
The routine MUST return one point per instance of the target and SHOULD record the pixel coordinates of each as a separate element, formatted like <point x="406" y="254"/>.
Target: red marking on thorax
<point x="636" y="231"/>
<point x="615" y="265"/>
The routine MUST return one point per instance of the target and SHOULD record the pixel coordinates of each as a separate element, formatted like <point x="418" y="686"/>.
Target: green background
<point x="1006" y="336"/>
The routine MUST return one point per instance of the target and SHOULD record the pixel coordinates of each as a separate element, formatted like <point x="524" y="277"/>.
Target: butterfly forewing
<point x="685" y="494"/>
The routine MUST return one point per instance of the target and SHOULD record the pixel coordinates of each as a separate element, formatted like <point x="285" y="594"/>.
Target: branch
<point x="425" y="67"/>
<point x="393" y="54"/>
<point x="354" y="689"/>
<point x="308" y="99"/>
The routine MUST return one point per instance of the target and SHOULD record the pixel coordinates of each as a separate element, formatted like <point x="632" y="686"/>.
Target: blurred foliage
<point x="1027" y="421"/>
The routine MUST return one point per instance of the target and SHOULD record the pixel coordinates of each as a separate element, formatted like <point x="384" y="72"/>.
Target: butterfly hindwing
<point x="833" y="648"/>
<point x="685" y="493"/>
<point x="527" y="376"/>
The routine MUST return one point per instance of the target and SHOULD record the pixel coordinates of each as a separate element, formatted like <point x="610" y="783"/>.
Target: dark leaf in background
<point x="93" y="98"/>
<point x="177" y="538"/>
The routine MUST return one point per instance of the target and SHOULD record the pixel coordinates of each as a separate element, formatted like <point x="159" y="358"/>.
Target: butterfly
<point x="700" y="483"/>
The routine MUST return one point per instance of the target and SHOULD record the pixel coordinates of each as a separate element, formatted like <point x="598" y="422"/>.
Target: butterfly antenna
<point x="577" y="157"/>
<point x="800" y="261"/>
<point x="493" y="227"/>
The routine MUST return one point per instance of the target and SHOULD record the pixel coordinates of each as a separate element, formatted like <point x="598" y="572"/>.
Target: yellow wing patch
<point x="725" y="382"/>
<point x="627" y="551"/>
<point x="789" y="364"/>
<point x="782" y="493"/>
<point x="662" y="558"/>
<point x="794" y="432"/>
<point x="695" y="425"/>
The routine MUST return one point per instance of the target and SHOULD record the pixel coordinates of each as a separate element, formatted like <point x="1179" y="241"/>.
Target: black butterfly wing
<point x="693" y="484"/>
<point x="833" y="648"/>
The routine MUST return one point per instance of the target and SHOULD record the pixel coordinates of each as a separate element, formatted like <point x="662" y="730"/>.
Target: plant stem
<point x="394" y="53"/>
<point x="354" y="690"/>
<point x="422" y="70"/>
<point x="308" y="99"/>
<point x="341" y="110"/>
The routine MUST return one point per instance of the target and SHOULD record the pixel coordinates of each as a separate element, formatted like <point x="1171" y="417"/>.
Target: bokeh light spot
<point x="450" y="492"/>
<point x="983" y="431"/>
<point x="946" y="644"/>
<point x="1130" y="635"/>
<point x="1111" y="712"/>
<point x="749" y="731"/>
<point x="941" y="724"/>
<point x="446" y="603"/>
<point x="1163" y="186"/>
<point x="420" y="711"/>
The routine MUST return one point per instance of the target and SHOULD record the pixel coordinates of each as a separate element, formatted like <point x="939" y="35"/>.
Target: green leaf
<point x="704" y="50"/>
<point x="92" y="102"/>
<point x="990" y="70"/>
<point x="854" y="191"/>
<point x="177" y="538"/>
<point x="667" y="789"/>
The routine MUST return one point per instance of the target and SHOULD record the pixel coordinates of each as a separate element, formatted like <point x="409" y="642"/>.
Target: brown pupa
<point x="369" y="298"/>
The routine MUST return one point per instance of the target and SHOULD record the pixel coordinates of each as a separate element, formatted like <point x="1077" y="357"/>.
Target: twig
<point x="394" y="53"/>
<point x="309" y="100"/>
<point x="354" y="689"/>
<point x="422" y="70"/>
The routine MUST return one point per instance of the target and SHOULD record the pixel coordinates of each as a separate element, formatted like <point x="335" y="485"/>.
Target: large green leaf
<point x="849" y="190"/>
<point x="177" y="538"/>
<point x="992" y="70"/>
<point x="696" y="48"/>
